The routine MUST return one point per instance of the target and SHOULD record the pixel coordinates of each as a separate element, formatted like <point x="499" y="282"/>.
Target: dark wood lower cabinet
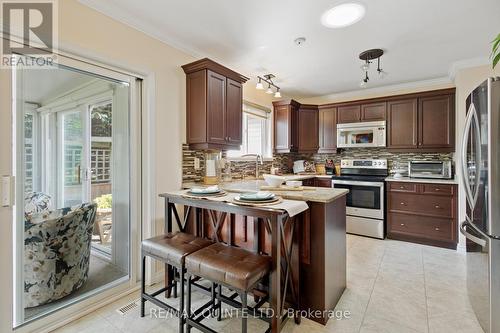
<point x="425" y="213"/>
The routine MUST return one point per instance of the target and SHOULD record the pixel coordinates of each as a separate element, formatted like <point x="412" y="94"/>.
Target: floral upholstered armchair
<point x="37" y="202"/>
<point x="57" y="252"/>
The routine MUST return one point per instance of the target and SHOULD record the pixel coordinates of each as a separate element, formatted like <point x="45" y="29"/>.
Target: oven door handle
<point x="353" y="182"/>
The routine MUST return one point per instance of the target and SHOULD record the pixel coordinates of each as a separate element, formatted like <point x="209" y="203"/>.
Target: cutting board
<point x="285" y="188"/>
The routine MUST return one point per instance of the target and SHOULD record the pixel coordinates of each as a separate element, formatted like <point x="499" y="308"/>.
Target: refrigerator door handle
<point x="477" y="164"/>
<point x="465" y="136"/>
<point x="469" y="236"/>
<point x="471" y="117"/>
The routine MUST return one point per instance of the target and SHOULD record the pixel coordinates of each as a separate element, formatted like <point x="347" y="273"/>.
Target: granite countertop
<point x="313" y="194"/>
<point x="422" y="180"/>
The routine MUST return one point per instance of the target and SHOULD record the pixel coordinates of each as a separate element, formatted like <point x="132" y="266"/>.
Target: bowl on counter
<point x="294" y="183"/>
<point x="274" y="180"/>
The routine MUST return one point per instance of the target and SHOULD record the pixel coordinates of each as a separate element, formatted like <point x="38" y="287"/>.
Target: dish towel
<point x="292" y="207"/>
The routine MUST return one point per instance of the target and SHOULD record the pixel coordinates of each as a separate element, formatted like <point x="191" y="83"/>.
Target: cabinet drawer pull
<point x="402" y="187"/>
<point x="437" y="229"/>
<point x="437" y="207"/>
<point x="402" y="203"/>
<point x="437" y="189"/>
<point x="402" y="224"/>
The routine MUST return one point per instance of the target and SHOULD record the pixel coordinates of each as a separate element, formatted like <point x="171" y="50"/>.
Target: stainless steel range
<point x="365" y="201"/>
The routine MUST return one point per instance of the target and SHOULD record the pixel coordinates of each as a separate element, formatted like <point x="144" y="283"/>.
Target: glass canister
<point x="212" y="167"/>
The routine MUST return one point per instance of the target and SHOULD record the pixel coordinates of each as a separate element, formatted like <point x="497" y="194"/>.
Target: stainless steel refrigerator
<point x="480" y="157"/>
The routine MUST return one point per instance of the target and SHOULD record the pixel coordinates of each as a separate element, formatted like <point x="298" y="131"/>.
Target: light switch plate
<point x="196" y="163"/>
<point x="6" y="190"/>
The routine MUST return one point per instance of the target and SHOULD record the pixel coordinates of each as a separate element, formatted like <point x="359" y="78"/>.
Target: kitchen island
<point x="321" y="242"/>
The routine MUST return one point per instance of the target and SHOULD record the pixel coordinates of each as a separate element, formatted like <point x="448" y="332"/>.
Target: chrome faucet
<point x="257" y="159"/>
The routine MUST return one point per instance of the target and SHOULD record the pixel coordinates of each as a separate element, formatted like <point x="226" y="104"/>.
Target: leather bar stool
<point x="235" y="268"/>
<point x="171" y="249"/>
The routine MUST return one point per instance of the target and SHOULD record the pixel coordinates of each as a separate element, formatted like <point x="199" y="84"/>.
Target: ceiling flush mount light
<point x="268" y="78"/>
<point x="367" y="56"/>
<point x="343" y="15"/>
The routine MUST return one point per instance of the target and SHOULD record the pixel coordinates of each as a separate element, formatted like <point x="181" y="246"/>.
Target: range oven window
<point x="362" y="196"/>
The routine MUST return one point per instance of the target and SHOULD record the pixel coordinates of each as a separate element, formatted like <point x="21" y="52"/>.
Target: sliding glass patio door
<point x="77" y="156"/>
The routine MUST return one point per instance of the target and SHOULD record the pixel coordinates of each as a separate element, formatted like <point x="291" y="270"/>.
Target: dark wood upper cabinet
<point x="216" y="108"/>
<point x="234" y="107"/>
<point x="353" y="113"/>
<point x="308" y="128"/>
<point x="214" y="101"/>
<point x="425" y="122"/>
<point x="348" y="114"/>
<point x="402" y="125"/>
<point x="327" y="130"/>
<point x="286" y="126"/>
<point x="295" y="127"/>
<point x="436" y="118"/>
<point x="373" y="111"/>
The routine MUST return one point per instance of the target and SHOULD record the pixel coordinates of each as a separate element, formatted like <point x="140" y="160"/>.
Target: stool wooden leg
<point x="188" y="303"/>
<point x="181" y="307"/>
<point x="219" y="305"/>
<point x="244" y="312"/>
<point x="143" y="283"/>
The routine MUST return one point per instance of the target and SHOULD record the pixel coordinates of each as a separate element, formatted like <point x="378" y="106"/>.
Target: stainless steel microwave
<point x="430" y="169"/>
<point x="365" y="134"/>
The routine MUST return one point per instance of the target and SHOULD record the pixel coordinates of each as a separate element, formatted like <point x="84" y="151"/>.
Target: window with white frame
<point x="256" y="132"/>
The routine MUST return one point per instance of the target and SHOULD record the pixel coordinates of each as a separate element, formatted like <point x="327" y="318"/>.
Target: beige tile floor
<point x="393" y="287"/>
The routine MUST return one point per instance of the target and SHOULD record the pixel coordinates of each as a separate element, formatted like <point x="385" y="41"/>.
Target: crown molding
<point x="384" y="90"/>
<point x="466" y="63"/>
<point x="130" y="21"/>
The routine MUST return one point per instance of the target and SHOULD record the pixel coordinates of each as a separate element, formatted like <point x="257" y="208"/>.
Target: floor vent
<point x="127" y="307"/>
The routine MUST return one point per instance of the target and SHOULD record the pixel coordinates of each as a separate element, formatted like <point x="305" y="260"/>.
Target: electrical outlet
<point x="196" y="163"/>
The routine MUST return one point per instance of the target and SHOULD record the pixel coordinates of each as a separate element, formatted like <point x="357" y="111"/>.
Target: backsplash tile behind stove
<point x="285" y="161"/>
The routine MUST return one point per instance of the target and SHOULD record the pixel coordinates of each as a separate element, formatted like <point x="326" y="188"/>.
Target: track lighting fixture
<point x="277" y="94"/>
<point x="259" y="85"/>
<point x="367" y="56"/>
<point x="268" y="78"/>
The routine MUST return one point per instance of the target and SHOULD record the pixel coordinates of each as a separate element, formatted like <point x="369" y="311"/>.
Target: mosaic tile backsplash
<point x="241" y="169"/>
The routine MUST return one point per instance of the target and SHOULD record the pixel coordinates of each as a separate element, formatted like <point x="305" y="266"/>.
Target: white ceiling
<point x="422" y="39"/>
<point x="41" y="85"/>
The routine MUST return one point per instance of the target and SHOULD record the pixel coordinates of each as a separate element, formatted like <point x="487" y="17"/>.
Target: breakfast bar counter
<point x="310" y="194"/>
<point x="321" y="240"/>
